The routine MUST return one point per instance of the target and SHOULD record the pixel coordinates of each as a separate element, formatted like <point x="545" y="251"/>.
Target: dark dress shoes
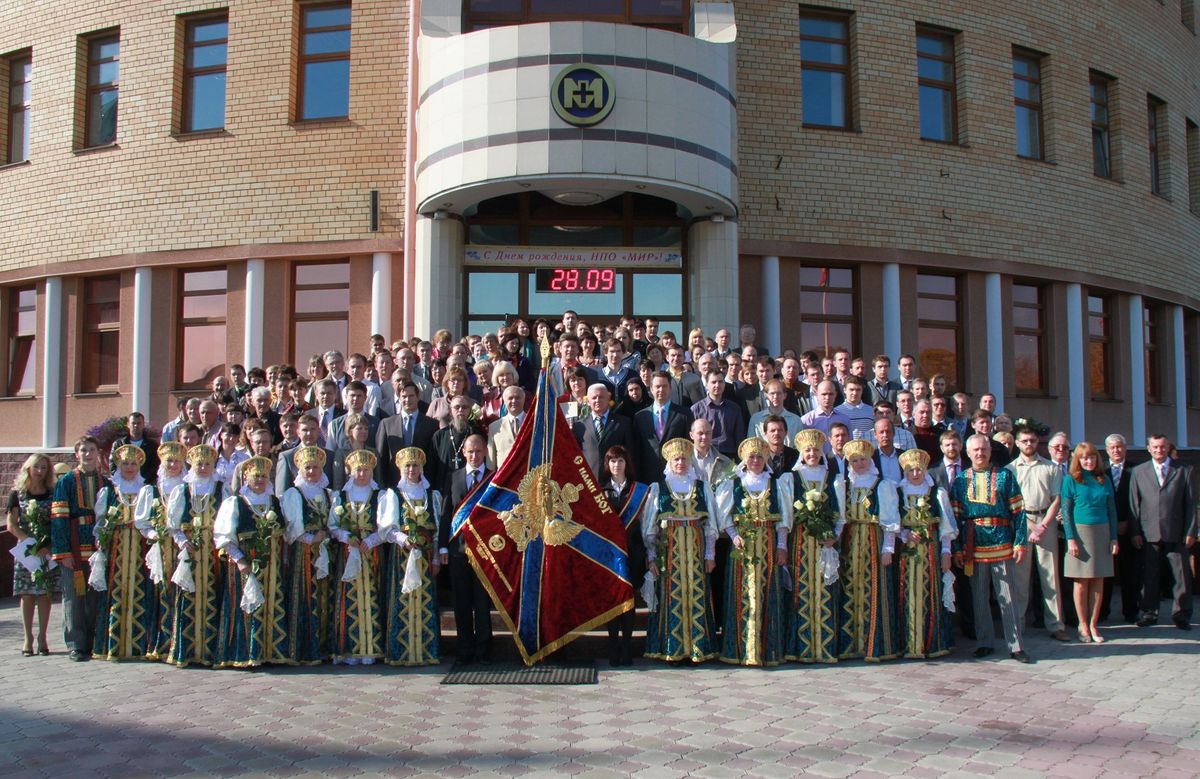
<point x="1183" y="624"/>
<point x="1146" y="621"/>
<point x="984" y="651"/>
<point x="1020" y="656"/>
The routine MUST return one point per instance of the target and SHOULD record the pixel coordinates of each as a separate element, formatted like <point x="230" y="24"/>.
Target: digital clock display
<point x="576" y="280"/>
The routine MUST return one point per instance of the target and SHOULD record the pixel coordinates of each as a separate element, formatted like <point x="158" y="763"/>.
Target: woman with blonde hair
<point x="29" y="518"/>
<point x="1089" y="520"/>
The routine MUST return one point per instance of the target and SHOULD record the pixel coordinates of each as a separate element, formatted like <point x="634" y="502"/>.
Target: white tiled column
<point x="770" y="336"/>
<point x="252" y="347"/>
<point x="891" y="314"/>
<point x="52" y="363"/>
<point x="713" y="271"/>
<point x="1137" y="371"/>
<point x="995" y="339"/>
<point x="1180" y="372"/>
<point x="440" y="278"/>
<point x="1077" y="380"/>
<point x="381" y="295"/>
<point x="142" y="324"/>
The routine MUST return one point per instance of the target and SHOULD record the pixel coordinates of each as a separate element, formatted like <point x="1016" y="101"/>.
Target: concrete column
<point x="891" y="315"/>
<point x="439" y="281"/>
<point x="770" y="335"/>
<point x="252" y="348"/>
<point x="142" y="326"/>
<point x="1137" y="371"/>
<point x="52" y="362"/>
<point x="1180" y="372"/>
<point x="381" y="295"/>
<point x="995" y="339"/>
<point x="713" y="275"/>
<point x="1077" y="380"/>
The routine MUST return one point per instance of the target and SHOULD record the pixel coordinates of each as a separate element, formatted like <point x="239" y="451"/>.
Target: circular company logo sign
<point x="582" y="95"/>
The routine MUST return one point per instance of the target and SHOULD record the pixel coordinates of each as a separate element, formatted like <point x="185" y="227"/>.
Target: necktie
<point x="952" y="472"/>
<point x="512" y="426"/>
<point x="472" y="479"/>
<point x="659" y="421"/>
<point x="1162" y="473"/>
<point x="598" y="422"/>
<point x="408" y="430"/>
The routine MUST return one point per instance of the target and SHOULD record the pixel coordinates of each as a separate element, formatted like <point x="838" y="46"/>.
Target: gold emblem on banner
<point x="544" y="508"/>
<point x="497" y="543"/>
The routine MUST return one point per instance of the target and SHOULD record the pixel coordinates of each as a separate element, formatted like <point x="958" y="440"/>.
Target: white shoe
<point x="351" y="661"/>
<point x="368" y="661"/>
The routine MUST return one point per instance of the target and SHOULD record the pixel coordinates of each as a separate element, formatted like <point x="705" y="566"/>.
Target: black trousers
<point x="472" y="610"/>
<point x="1128" y="577"/>
<point x="1177" y="558"/>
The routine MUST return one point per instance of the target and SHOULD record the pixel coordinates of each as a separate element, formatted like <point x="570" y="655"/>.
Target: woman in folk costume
<point x="757" y="520"/>
<point x="357" y="621"/>
<point x="868" y="596"/>
<point x="627" y="498"/>
<point x="680" y="533"/>
<point x="126" y="626"/>
<point x="306" y="506"/>
<point x="199" y="571"/>
<point x="252" y="531"/>
<point x="151" y="510"/>
<point x="927" y="529"/>
<point x="817" y="522"/>
<point x="411" y="524"/>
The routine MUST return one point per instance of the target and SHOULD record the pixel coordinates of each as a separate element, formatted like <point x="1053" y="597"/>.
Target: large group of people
<point x="791" y="508"/>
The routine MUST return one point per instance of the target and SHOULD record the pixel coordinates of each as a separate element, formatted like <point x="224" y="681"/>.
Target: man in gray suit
<point x="1163" y="523"/>
<point x="285" y="466"/>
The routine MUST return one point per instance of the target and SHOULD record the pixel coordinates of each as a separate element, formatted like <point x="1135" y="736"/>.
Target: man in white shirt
<point x="861" y="415"/>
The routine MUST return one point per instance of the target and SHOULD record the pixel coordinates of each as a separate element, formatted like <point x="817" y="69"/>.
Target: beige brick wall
<point x="880" y="186"/>
<point x="265" y="180"/>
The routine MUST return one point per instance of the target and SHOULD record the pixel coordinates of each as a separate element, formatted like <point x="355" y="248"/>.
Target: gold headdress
<point x="256" y="466"/>
<point x="361" y="458"/>
<point x="754" y="445"/>
<point x="677" y="447"/>
<point x="202" y="454"/>
<point x="306" y="455"/>
<point x="913" y="458"/>
<point x="129" y="454"/>
<point x="410" y="455"/>
<point x="172" y="449"/>
<point x="858" y="448"/>
<point x="810" y="437"/>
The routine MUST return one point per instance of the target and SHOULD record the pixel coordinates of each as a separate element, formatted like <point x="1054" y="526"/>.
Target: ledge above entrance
<point x="488" y="124"/>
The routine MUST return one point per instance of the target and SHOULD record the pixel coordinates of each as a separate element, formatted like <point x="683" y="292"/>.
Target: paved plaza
<point x="1125" y="708"/>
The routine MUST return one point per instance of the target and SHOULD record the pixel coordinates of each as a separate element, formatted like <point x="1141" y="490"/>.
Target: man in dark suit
<point x="285" y="465"/>
<point x="880" y="387"/>
<point x="356" y="403"/>
<point x="657" y="423"/>
<point x="943" y="475"/>
<point x="1128" y="565"/>
<point x="407" y="427"/>
<point x="1163" y="523"/>
<point x="781" y="456"/>
<point x="603" y="428"/>
<point x="135" y="433"/>
<point x="887" y="454"/>
<point x="472" y="606"/>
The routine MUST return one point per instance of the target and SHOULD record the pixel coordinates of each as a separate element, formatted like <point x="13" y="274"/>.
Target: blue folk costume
<point x="126" y="627"/>
<point x="927" y="530"/>
<point x="680" y="532"/>
<point x="151" y="513"/>
<point x="357" y="620"/>
<point x="199" y="572"/>
<point x="816" y="596"/>
<point x="306" y="507"/>
<point x="754" y="629"/>
<point x="413" y="622"/>
<point x="253" y="621"/>
<point x="868" y="628"/>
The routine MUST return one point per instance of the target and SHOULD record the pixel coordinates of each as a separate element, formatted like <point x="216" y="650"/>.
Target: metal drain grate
<point x="518" y="673"/>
